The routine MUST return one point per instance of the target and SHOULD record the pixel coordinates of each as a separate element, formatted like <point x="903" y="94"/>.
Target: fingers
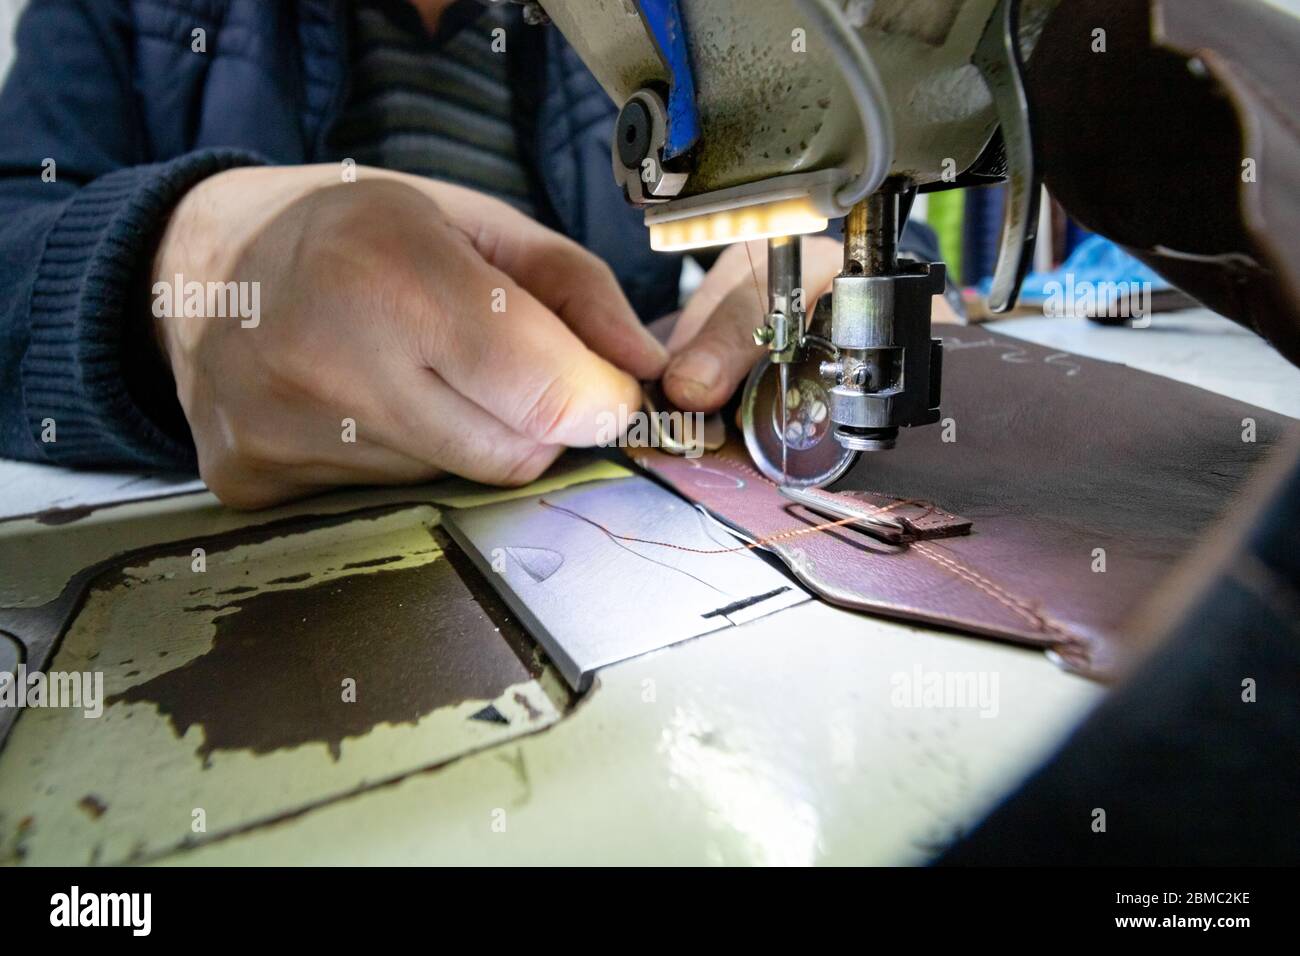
<point x="574" y="284"/>
<point x="583" y="291"/>
<point x="743" y="262"/>
<point x="431" y="431"/>
<point x="662" y="327"/>
<point x="823" y="259"/>
<point x="255" y="470"/>
<point x="702" y="377"/>
<point x="709" y="364"/>
<point x="519" y="362"/>
<point x="431" y="422"/>
<point x="248" y="492"/>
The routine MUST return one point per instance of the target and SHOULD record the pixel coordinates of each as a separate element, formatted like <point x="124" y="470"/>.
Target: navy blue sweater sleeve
<point x="81" y="207"/>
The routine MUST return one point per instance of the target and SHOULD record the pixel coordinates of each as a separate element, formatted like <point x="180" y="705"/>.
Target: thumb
<point x="707" y="371"/>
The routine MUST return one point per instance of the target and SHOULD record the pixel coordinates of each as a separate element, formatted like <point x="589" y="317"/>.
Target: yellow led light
<point x="788" y="217"/>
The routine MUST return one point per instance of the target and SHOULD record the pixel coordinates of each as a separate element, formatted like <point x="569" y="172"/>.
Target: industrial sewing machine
<point x="769" y="118"/>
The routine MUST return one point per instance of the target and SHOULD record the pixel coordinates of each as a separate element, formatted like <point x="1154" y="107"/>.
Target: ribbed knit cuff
<point x="85" y="332"/>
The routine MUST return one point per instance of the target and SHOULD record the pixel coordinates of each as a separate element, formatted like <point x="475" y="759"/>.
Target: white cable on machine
<point x="863" y="81"/>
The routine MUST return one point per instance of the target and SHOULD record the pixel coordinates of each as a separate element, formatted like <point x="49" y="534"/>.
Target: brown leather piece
<point x="1055" y="456"/>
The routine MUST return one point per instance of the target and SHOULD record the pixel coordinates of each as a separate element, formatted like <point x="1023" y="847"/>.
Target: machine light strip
<point x="788" y="217"/>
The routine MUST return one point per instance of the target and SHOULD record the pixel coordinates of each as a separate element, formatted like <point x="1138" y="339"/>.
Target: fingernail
<point x="696" y="375"/>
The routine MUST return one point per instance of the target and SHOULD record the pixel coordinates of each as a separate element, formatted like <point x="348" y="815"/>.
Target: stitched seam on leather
<point x="988" y="587"/>
<point x="1024" y="609"/>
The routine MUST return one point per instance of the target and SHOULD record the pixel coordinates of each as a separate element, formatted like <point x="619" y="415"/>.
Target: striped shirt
<point x="439" y="106"/>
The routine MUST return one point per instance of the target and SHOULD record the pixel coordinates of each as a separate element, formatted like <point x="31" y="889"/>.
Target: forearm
<point x="81" y="208"/>
<point x="76" y="345"/>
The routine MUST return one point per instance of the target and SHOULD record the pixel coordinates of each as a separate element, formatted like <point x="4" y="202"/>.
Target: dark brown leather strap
<point x="914" y="520"/>
<point x="1181" y="142"/>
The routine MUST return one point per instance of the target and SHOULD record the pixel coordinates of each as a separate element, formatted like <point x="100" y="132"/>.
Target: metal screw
<point x="763" y="335"/>
<point x="534" y="15"/>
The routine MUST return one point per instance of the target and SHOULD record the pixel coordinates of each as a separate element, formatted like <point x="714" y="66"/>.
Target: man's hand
<point x="457" y="334"/>
<point x="712" y="344"/>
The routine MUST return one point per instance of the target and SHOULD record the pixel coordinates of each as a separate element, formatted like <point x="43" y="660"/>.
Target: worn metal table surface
<point x="783" y="740"/>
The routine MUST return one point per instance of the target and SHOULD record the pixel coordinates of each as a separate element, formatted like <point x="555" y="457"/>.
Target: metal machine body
<point x="887" y="371"/>
<point x="767" y="119"/>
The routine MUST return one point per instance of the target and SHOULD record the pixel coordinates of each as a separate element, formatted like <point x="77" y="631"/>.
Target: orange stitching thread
<point x="1041" y="621"/>
<point x="992" y="590"/>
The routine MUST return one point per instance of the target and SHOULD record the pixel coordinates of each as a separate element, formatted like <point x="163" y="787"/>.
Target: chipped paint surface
<point x="226" y="690"/>
<point x="412" y="639"/>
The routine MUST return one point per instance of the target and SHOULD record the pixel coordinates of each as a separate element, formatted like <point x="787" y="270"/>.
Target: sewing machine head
<point x="766" y="119"/>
